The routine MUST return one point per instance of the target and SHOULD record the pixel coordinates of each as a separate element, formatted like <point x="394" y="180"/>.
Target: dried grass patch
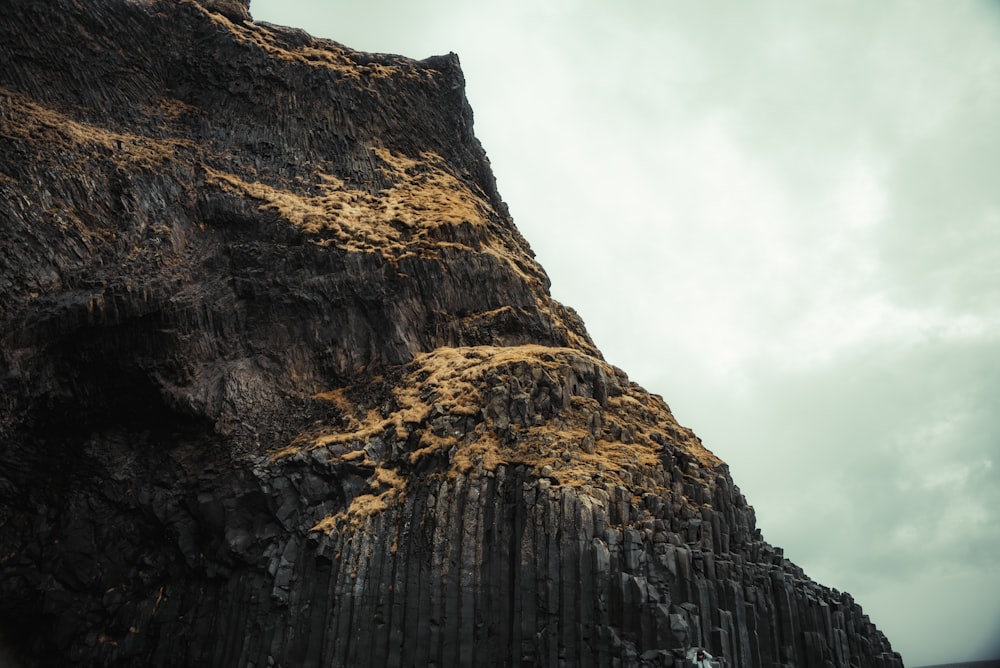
<point x="452" y="382"/>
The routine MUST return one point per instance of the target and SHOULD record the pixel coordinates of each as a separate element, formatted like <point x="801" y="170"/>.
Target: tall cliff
<point x="282" y="385"/>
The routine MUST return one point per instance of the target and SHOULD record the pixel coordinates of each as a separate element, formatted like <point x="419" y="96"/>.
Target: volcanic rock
<point x="281" y="384"/>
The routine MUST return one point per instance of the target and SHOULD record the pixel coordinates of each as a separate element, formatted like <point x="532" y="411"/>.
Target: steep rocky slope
<point x="283" y="385"/>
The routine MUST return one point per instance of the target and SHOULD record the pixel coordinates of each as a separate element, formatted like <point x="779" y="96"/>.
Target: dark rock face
<point x="282" y="384"/>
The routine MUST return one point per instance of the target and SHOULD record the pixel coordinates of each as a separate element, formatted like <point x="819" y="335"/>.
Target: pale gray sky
<point x="783" y="217"/>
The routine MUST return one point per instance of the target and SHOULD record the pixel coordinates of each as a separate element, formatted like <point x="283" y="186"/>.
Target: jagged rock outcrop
<point x="283" y="385"/>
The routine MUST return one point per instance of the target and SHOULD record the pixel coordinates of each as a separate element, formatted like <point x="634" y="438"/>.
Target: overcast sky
<point x="783" y="217"/>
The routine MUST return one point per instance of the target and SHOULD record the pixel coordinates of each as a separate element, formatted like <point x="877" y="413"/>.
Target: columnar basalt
<point x="282" y="384"/>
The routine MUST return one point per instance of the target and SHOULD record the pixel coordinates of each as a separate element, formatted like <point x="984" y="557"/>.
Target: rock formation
<point x="282" y="384"/>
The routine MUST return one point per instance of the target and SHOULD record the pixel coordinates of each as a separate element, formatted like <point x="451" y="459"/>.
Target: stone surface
<point x="282" y="384"/>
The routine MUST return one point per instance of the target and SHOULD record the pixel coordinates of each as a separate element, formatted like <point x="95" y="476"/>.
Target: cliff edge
<point x="282" y="384"/>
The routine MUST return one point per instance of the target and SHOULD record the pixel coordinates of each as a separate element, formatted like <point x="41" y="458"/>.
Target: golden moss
<point x="452" y="382"/>
<point x="33" y="123"/>
<point x="327" y="524"/>
<point x="387" y="488"/>
<point x="326" y="54"/>
<point x="426" y="212"/>
<point x="405" y="218"/>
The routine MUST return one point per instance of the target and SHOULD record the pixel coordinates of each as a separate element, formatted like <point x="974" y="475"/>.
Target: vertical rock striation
<point x="283" y="385"/>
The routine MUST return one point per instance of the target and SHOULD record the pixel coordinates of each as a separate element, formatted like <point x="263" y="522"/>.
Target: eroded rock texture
<point x="283" y="385"/>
